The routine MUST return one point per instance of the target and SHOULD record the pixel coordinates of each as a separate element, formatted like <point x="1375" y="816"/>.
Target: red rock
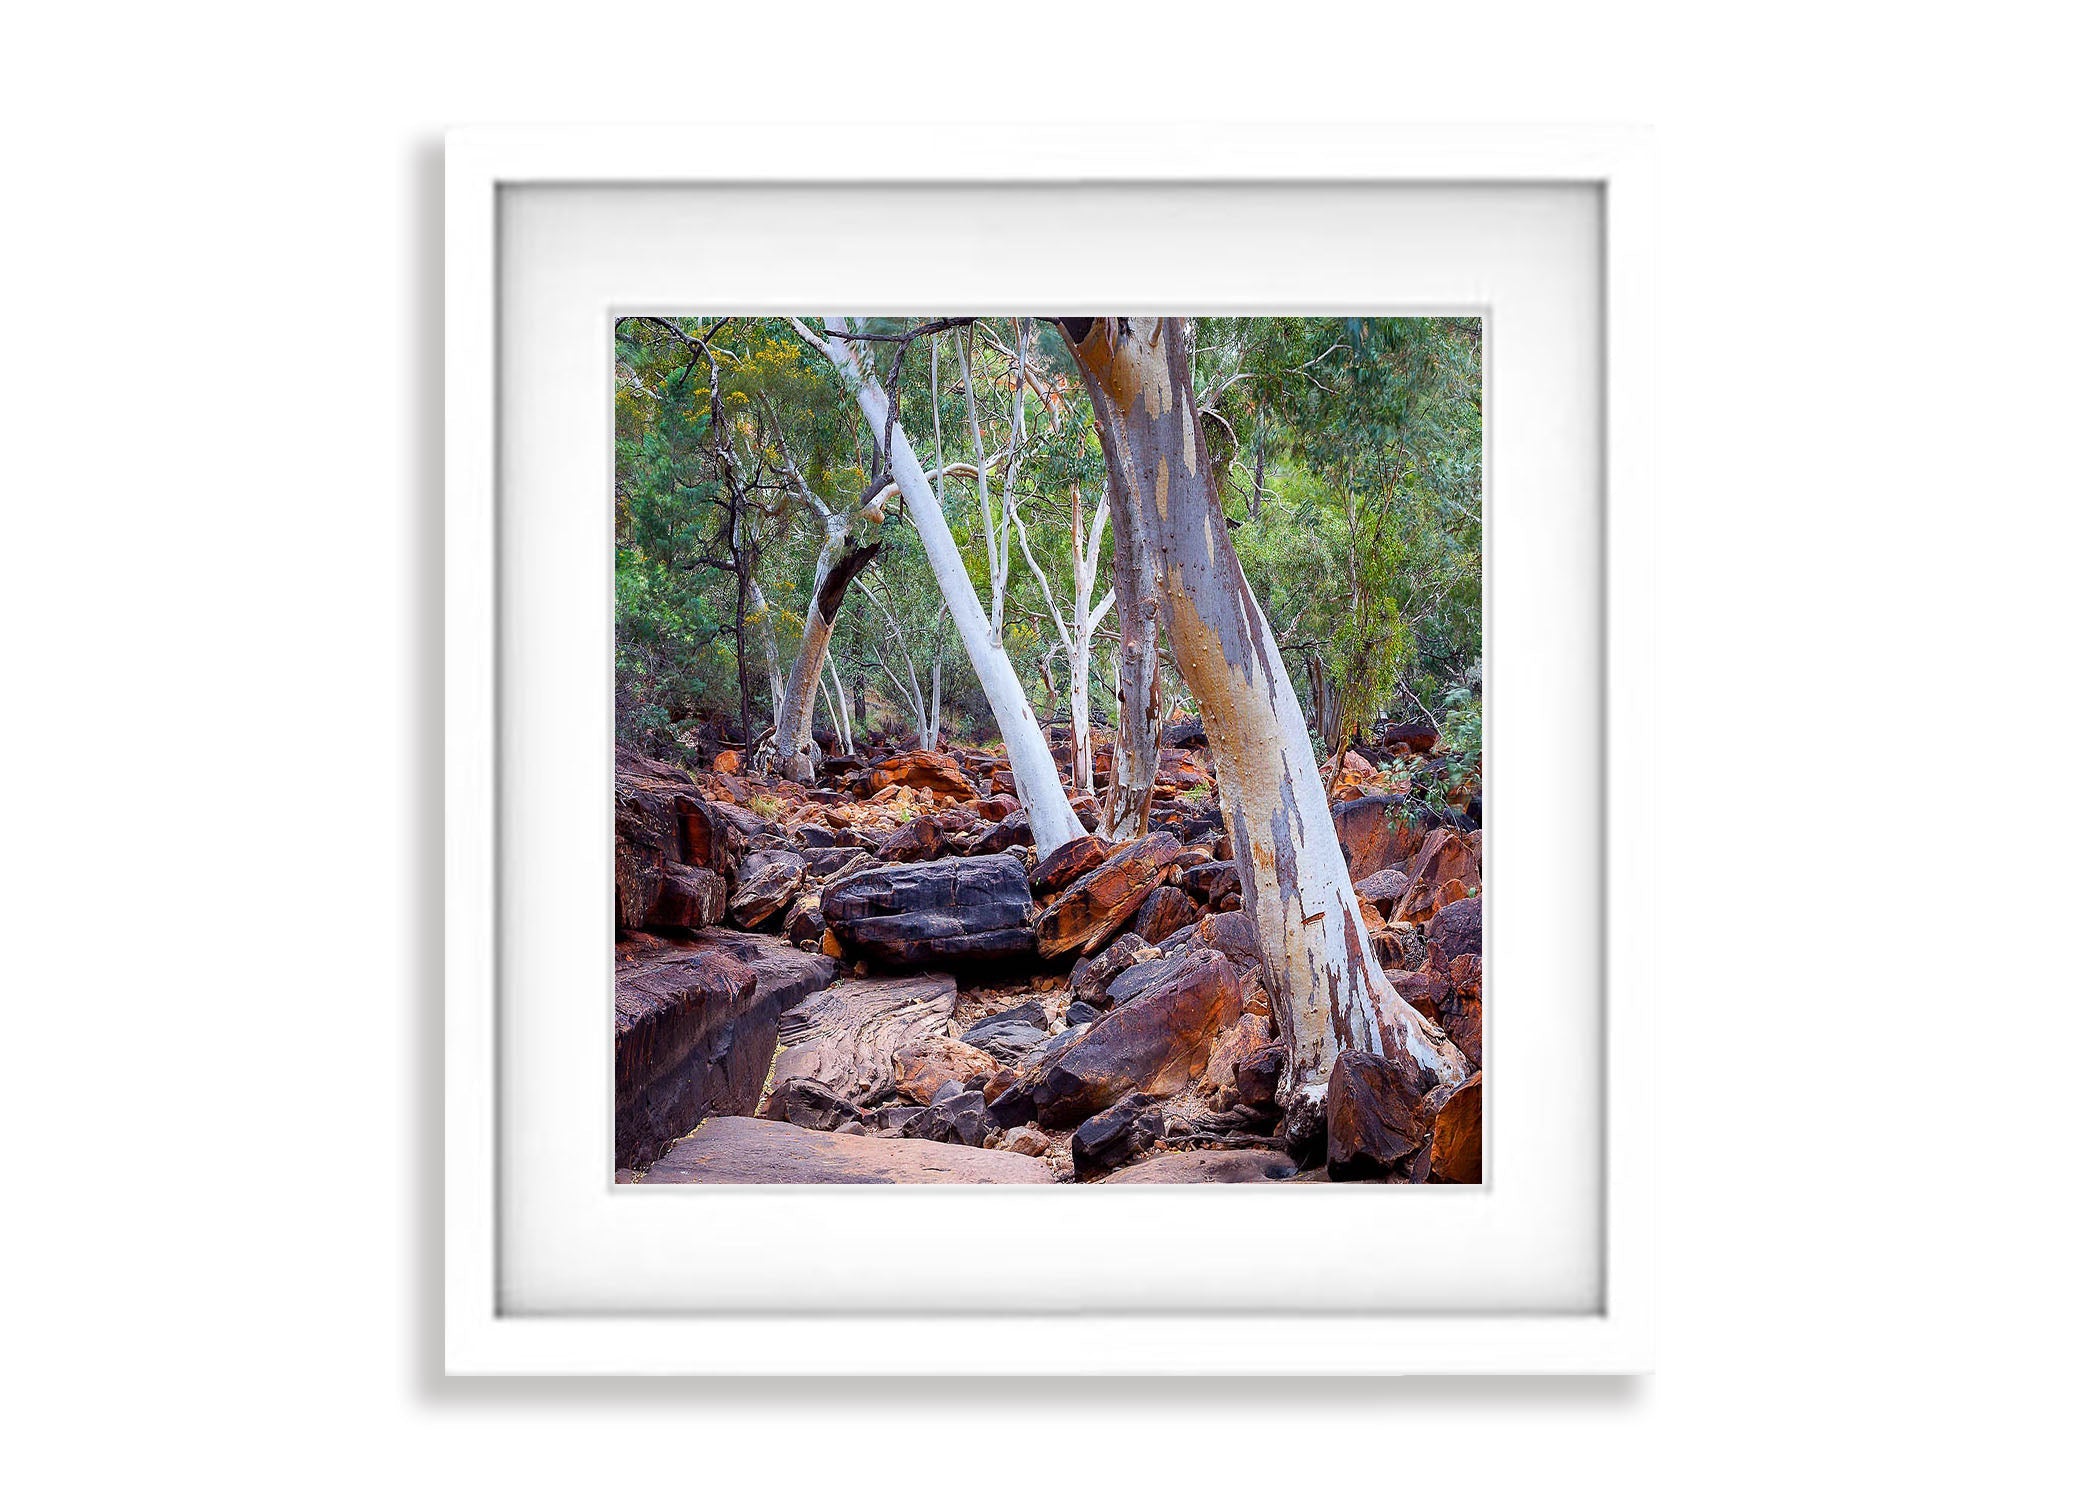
<point x="1383" y="889"/>
<point x="1454" y="1147"/>
<point x="1155" y="1044"/>
<point x="1376" y="834"/>
<point x="766" y="882"/>
<point x="1378" y="1116"/>
<point x="728" y="763"/>
<point x="1087" y="913"/>
<point x="691" y="897"/>
<point x="921" y="1067"/>
<point x="1209" y="882"/>
<point x="1235" y="1046"/>
<point x="1445" y="869"/>
<point x="1165" y="912"/>
<point x="1067" y="863"/>
<point x="928" y="770"/>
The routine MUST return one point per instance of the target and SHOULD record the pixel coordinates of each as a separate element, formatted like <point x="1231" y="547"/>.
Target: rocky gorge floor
<point x="872" y="980"/>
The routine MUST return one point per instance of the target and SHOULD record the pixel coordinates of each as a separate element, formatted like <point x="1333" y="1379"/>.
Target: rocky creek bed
<point x="873" y="980"/>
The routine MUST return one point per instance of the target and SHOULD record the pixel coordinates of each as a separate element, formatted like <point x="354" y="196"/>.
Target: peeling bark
<point x="838" y="564"/>
<point x="1329" y="993"/>
<point x="1126" y="811"/>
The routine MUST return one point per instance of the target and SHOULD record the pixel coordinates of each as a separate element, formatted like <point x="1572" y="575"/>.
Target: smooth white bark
<point x="1078" y="637"/>
<point x="1040" y="790"/>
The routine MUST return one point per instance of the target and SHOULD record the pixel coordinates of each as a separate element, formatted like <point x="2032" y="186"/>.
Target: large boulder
<point x="1377" y="833"/>
<point x="1066" y="863"/>
<point x="694" y="1028"/>
<point x="1087" y="913"/>
<point x="690" y="896"/>
<point x="927" y="770"/>
<point x="1446" y="869"/>
<point x="1092" y="976"/>
<point x="922" y="1068"/>
<point x="1117" y="1135"/>
<point x="848" y="1036"/>
<point x="1157" y="1043"/>
<point x="1165" y="912"/>
<point x="947" y="913"/>
<point x="921" y="838"/>
<point x="766" y="881"/>
<point x="726" y="1150"/>
<point x="1378" y="1116"/>
<point x="1011" y="1034"/>
<point x="1454" y="1145"/>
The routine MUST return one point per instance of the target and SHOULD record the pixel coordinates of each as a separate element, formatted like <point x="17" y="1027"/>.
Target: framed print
<point x="1026" y="663"/>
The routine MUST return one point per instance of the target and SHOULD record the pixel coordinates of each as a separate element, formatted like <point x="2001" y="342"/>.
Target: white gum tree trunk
<point x="838" y="563"/>
<point x="1078" y="637"/>
<point x="1328" y="990"/>
<point x="1040" y="790"/>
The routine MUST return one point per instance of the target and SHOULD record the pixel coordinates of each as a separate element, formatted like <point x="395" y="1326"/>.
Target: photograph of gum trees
<point x="1048" y="749"/>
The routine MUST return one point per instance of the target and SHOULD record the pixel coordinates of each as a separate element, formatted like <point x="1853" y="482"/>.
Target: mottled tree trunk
<point x="1328" y="990"/>
<point x="1126" y="813"/>
<point x="837" y="565"/>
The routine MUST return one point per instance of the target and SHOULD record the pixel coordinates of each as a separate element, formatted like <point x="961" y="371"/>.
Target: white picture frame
<point x="483" y="1338"/>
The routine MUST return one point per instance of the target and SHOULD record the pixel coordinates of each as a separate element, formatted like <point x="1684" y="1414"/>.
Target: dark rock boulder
<point x="1165" y="912"/>
<point x="694" y="1030"/>
<point x="956" y="1116"/>
<point x="948" y="913"/>
<point x="1091" y="977"/>
<point x="1184" y="734"/>
<point x="1011" y="1034"/>
<point x="1208" y="882"/>
<point x="766" y="881"/>
<point x="920" y="839"/>
<point x="809" y="1104"/>
<point x="691" y="896"/>
<point x="1378" y="1116"/>
<point x="1118" y="1134"/>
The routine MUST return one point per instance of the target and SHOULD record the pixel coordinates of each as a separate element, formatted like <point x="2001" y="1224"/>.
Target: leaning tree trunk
<point x="1329" y="992"/>
<point x="837" y="565"/>
<point x="1036" y="782"/>
<point x="1134" y="768"/>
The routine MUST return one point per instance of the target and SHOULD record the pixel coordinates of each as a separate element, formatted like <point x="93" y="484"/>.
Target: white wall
<point x="219" y="590"/>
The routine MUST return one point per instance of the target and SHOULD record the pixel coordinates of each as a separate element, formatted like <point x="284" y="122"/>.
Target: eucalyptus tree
<point x="1037" y="784"/>
<point x="1329" y="992"/>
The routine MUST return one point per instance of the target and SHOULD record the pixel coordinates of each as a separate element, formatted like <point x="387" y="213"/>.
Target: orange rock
<point x="922" y="1067"/>
<point x="728" y="763"/>
<point x="1088" y="912"/>
<point x="1454" y="1144"/>
<point x="927" y="769"/>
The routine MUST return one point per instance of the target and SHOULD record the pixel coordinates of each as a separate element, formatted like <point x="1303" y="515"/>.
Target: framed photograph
<point x="990" y="666"/>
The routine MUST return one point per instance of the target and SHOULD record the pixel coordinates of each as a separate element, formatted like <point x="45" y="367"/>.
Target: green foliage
<point x="1348" y="452"/>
